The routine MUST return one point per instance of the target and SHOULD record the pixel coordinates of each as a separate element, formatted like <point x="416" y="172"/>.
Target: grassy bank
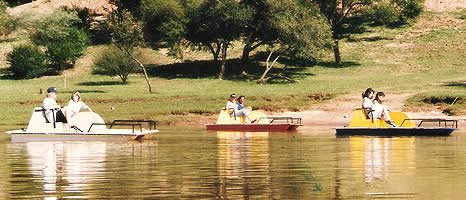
<point x="425" y="57"/>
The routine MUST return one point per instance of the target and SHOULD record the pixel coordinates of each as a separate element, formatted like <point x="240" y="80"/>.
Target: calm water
<point x="195" y="164"/>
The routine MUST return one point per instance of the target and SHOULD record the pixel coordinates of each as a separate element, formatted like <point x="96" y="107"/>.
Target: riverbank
<point x="417" y="63"/>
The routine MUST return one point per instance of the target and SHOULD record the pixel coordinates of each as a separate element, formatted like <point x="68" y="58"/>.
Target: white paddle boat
<point x="87" y="126"/>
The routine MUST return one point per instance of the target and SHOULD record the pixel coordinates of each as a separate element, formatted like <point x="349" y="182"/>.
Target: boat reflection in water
<point x="64" y="166"/>
<point x="243" y="164"/>
<point x="390" y="162"/>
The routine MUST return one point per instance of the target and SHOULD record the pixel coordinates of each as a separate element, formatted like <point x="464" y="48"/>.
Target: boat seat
<point x="39" y="123"/>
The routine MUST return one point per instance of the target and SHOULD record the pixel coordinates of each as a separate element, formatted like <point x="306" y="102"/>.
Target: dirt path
<point x="444" y="5"/>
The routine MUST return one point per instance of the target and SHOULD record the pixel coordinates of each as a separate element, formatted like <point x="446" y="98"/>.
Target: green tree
<point x="8" y="23"/>
<point x="302" y="31"/>
<point x="338" y="12"/>
<point x="215" y="24"/>
<point x="54" y="27"/>
<point x="114" y="62"/>
<point x="165" y="21"/>
<point x="127" y="35"/>
<point x="259" y="29"/>
<point x="66" y="50"/>
<point x="27" y="61"/>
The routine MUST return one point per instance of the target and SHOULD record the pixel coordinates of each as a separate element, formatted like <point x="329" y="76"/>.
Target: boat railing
<point x="446" y="122"/>
<point x="133" y="123"/>
<point x="289" y="120"/>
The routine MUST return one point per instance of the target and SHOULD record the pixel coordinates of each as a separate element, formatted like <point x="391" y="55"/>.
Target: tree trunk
<point x="224" y="60"/>
<point x="248" y="47"/>
<point x="268" y="67"/>
<point x="143" y="69"/>
<point x="215" y="51"/>
<point x="336" y="52"/>
<point x="245" y="58"/>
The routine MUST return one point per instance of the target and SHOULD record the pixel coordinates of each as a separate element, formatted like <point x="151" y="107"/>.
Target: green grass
<point x="417" y="58"/>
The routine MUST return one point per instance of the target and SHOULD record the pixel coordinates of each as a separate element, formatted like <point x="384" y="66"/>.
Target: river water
<point x="181" y="163"/>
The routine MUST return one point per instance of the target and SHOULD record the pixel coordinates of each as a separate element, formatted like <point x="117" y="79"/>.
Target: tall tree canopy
<point x="215" y="24"/>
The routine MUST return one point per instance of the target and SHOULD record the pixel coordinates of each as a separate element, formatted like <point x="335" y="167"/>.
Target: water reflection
<point x="65" y="167"/>
<point x="376" y="156"/>
<point x="243" y="164"/>
<point x="195" y="164"/>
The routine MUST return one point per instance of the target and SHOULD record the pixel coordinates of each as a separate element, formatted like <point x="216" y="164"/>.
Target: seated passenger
<point x="367" y="98"/>
<point x="231" y="106"/>
<point x="50" y="104"/>
<point x="242" y="110"/>
<point x="382" y="111"/>
<point x="75" y="105"/>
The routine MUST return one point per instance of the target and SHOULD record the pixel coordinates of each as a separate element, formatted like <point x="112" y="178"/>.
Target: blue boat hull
<point x="396" y="131"/>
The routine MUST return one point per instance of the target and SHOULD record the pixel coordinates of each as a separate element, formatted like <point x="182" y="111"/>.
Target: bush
<point x="394" y="13"/>
<point x="54" y="27"/>
<point x="27" y="61"/>
<point x="7" y="23"/>
<point x="62" y="52"/>
<point x="114" y="62"/>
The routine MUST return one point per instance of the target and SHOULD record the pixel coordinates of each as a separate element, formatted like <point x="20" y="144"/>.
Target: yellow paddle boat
<point x="228" y="121"/>
<point x="362" y="123"/>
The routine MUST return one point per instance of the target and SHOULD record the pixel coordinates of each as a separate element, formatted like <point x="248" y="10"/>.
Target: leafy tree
<point x="338" y="12"/>
<point x="301" y="30"/>
<point x="114" y="62"/>
<point x="54" y="27"/>
<point x="27" y="61"/>
<point x="165" y="21"/>
<point x="127" y="35"/>
<point x="259" y="29"/>
<point x="215" y="24"/>
<point x="7" y="23"/>
<point x="393" y="13"/>
<point x="68" y="49"/>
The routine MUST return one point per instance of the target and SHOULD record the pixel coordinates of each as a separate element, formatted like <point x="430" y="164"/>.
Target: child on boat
<point x="382" y="111"/>
<point x="242" y="110"/>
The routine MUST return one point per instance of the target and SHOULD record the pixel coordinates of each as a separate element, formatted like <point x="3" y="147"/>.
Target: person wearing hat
<point x="231" y="104"/>
<point x="50" y="104"/>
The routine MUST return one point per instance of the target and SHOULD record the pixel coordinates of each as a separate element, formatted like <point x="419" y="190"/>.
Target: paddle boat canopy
<point x="228" y="121"/>
<point x="88" y="126"/>
<point x="363" y="123"/>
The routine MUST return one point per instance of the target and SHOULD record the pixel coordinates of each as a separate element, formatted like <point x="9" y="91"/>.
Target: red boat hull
<point x="253" y="127"/>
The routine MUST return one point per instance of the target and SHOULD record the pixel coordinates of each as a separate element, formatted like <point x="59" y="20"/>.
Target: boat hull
<point x="22" y="136"/>
<point x="253" y="127"/>
<point x="395" y="131"/>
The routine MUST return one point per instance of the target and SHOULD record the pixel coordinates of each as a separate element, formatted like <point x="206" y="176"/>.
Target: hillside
<point x="410" y="64"/>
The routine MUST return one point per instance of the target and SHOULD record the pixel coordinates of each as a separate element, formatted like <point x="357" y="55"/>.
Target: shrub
<point x="113" y="62"/>
<point x="54" y="27"/>
<point x="394" y="13"/>
<point x="7" y="23"/>
<point x="27" y="61"/>
<point x="62" y="52"/>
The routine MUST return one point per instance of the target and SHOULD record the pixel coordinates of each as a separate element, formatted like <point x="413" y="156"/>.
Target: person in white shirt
<point x="75" y="105"/>
<point x="231" y="106"/>
<point x="382" y="111"/>
<point x="50" y="106"/>
<point x="367" y="98"/>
